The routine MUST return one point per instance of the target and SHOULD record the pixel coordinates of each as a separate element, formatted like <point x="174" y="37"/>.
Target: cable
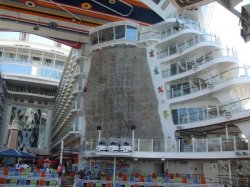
<point x="76" y="17"/>
<point x="115" y="10"/>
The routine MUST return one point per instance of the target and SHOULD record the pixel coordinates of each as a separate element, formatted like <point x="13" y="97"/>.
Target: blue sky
<point x="227" y="26"/>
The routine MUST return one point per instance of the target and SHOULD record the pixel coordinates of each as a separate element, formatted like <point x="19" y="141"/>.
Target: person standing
<point x="63" y="171"/>
<point x="59" y="170"/>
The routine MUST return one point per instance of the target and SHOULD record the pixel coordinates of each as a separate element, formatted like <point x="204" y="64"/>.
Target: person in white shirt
<point x="17" y="166"/>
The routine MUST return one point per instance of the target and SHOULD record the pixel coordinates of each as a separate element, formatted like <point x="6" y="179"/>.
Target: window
<point x="48" y="61"/>
<point x="93" y="38"/>
<point x="36" y="58"/>
<point x="131" y="33"/>
<point x="120" y="32"/>
<point x="106" y="35"/>
<point x="175" y="116"/>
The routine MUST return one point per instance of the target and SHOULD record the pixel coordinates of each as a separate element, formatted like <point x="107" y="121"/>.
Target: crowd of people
<point x="88" y="175"/>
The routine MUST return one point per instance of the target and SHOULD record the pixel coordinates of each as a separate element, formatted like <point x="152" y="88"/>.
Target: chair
<point x="119" y="176"/>
<point x="5" y="171"/>
<point x="33" y="182"/>
<point x="79" y="183"/>
<point x="171" y="175"/>
<point x="166" y="179"/>
<point x="21" y="170"/>
<point x="53" y="183"/>
<point x="196" y="180"/>
<point x="124" y="177"/>
<point x="148" y="178"/>
<point x="42" y="182"/>
<point x="108" y="178"/>
<point x="177" y="180"/>
<point x="42" y="174"/>
<point x="142" y="178"/>
<point x="154" y="175"/>
<point x="136" y="185"/>
<point x="117" y="184"/>
<point x="202" y="180"/>
<point x="137" y="177"/>
<point x="22" y="182"/>
<point x="127" y="185"/>
<point x="98" y="184"/>
<point x="184" y="180"/>
<point x="159" y="180"/>
<point x="90" y="184"/>
<point x="109" y="184"/>
<point x="35" y="175"/>
<point x="13" y="181"/>
<point x="16" y="173"/>
<point x="131" y="178"/>
<point x="2" y="180"/>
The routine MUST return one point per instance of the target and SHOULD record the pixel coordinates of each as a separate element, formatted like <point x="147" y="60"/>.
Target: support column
<point x="61" y="152"/>
<point x="226" y="132"/>
<point x="133" y="137"/>
<point x="114" y="171"/>
<point x="14" y="127"/>
<point x="99" y="128"/>
<point x="229" y="173"/>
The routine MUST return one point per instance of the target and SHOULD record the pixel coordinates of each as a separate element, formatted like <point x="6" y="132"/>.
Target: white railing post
<point x="61" y="151"/>
<point x="234" y="144"/>
<point x="165" y="145"/>
<point x="206" y="144"/>
<point x="179" y="145"/>
<point x="193" y="143"/>
<point x="138" y="144"/>
<point x="220" y="144"/>
<point x="152" y="142"/>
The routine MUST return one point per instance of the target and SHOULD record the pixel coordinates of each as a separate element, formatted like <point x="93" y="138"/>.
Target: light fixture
<point x="36" y="28"/>
<point x="30" y="4"/>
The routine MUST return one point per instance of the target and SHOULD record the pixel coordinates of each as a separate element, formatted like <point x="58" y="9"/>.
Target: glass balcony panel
<point x="106" y="35"/>
<point x="120" y="32"/>
<point x="131" y="33"/>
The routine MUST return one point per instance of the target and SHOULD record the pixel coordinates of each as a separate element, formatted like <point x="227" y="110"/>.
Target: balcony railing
<point x="166" y="33"/>
<point x="31" y="91"/>
<point x="221" y="77"/>
<point x="29" y="61"/>
<point x="212" y="112"/>
<point x="180" y="48"/>
<point x="193" y="145"/>
<point x="175" y="69"/>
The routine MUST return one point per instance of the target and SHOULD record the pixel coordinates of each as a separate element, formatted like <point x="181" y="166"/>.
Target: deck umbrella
<point x="15" y="153"/>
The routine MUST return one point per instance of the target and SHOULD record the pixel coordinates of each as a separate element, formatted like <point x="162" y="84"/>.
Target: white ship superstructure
<point x="203" y="101"/>
<point x="146" y="89"/>
<point x="31" y="73"/>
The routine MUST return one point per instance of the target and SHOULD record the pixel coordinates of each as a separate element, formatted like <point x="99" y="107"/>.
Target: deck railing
<point x="178" y="68"/>
<point x="191" y="145"/>
<point x="212" y="112"/>
<point x="180" y="48"/>
<point x="188" y="24"/>
<point x="209" y="83"/>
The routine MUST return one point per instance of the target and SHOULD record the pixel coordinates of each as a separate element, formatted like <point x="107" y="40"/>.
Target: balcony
<point x="180" y="68"/>
<point x="202" y="148"/>
<point x="211" y="112"/>
<point x="179" y="90"/>
<point x="181" y="48"/>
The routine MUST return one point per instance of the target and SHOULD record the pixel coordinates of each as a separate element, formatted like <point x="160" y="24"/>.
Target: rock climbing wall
<point x="120" y="94"/>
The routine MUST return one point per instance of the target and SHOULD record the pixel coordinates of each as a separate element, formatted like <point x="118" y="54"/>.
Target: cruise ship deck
<point x="145" y="96"/>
